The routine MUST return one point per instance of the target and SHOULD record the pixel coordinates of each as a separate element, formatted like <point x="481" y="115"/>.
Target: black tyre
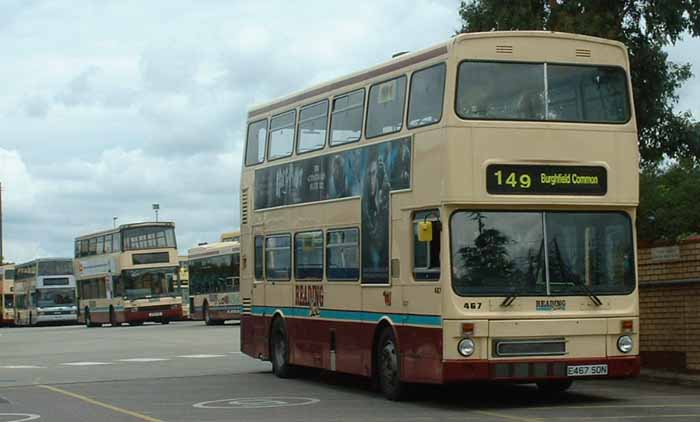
<point x="388" y="370"/>
<point x="136" y="323"/>
<point x="165" y="322"/>
<point x="113" y="318"/>
<point x="554" y="386"/>
<point x="279" y="351"/>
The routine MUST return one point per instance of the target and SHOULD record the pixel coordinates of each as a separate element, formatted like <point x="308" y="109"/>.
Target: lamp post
<point x="156" y="207"/>
<point x="114" y="222"/>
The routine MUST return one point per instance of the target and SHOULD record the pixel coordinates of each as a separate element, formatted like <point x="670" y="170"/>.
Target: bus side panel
<point x="421" y="353"/>
<point x="254" y="331"/>
<point x="311" y="340"/>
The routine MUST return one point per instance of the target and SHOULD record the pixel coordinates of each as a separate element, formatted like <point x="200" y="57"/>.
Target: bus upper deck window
<point x="426" y="96"/>
<point x="313" y="120"/>
<point x="346" y="118"/>
<point x="255" y="145"/>
<point x="281" y="135"/>
<point x="385" y="107"/>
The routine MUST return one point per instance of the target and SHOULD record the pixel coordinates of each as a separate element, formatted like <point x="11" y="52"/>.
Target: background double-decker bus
<point x="7" y="294"/>
<point x="465" y="212"/>
<point x="214" y="271"/>
<point x="45" y="292"/>
<point x="128" y="275"/>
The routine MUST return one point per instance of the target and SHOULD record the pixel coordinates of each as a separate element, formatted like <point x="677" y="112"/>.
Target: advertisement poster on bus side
<point x="371" y="172"/>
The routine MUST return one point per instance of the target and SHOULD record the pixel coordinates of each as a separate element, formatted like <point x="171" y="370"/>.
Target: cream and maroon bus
<point x="214" y="271"/>
<point x="7" y="294"/>
<point x="464" y="212"/>
<point x="128" y="275"/>
<point x="45" y="292"/>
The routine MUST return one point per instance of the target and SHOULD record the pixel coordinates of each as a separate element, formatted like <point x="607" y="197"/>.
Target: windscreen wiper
<point x="595" y="299"/>
<point x="511" y="297"/>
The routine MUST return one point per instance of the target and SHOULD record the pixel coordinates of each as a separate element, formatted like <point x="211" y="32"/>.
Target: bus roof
<point x="409" y="59"/>
<point x="127" y="226"/>
<point x="38" y="260"/>
<point x="213" y="249"/>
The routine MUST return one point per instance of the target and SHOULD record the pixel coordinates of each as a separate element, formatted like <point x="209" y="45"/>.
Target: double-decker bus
<point x="128" y="275"/>
<point x="465" y="212"/>
<point x="214" y="271"/>
<point x="45" y="292"/>
<point x="7" y="294"/>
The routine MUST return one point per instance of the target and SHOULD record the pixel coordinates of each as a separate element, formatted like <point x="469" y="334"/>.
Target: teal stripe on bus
<point x="358" y="316"/>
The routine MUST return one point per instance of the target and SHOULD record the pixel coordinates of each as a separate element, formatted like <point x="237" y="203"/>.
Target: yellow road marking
<point x="618" y="406"/>
<point x="101" y="404"/>
<point x="506" y="416"/>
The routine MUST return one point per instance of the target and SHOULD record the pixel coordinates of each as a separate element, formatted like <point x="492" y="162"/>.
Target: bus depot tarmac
<point x="186" y="371"/>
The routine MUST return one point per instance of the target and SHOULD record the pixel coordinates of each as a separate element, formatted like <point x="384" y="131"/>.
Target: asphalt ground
<point x="190" y="372"/>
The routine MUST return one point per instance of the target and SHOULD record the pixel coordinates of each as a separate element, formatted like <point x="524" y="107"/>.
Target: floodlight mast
<point x="156" y="207"/>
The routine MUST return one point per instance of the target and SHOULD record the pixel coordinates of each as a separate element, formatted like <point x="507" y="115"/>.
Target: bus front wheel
<point x="388" y="371"/>
<point x="279" y="351"/>
<point x="206" y="315"/>
<point x="554" y="386"/>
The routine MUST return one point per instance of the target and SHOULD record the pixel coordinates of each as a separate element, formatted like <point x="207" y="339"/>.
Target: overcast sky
<point x="109" y="106"/>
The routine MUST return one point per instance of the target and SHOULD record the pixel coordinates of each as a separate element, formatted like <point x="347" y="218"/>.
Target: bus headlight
<point x="625" y="344"/>
<point x="466" y="347"/>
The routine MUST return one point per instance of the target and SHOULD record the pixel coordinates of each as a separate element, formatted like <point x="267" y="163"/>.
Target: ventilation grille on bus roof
<point x="244" y="206"/>
<point x="504" y="49"/>
<point x="583" y="52"/>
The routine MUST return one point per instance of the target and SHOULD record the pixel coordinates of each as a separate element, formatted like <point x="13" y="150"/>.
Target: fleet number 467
<point x="523" y="181"/>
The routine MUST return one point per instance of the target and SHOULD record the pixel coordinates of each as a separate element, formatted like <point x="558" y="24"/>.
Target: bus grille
<point x="529" y="370"/>
<point x="519" y="347"/>
<point x="153" y="308"/>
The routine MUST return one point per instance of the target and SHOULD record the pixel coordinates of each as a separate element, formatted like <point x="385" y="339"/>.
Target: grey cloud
<point x="36" y="107"/>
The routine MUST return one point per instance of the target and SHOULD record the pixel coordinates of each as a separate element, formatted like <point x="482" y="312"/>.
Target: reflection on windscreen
<point x="55" y="268"/>
<point x="142" y="283"/>
<point x="215" y="274"/>
<point x="517" y="91"/>
<point x="149" y="238"/>
<point x="499" y="253"/>
<point x="55" y="297"/>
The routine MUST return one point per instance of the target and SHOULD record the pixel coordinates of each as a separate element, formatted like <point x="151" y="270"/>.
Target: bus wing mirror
<point x="425" y="231"/>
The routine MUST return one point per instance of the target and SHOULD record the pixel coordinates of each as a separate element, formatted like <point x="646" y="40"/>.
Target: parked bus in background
<point x="234" y="236"/>
<point x="7" y="294"/>
<point x="45" y="292"/>
<point x="465" y="212"/>
<point x="214" y="271"/>
<point x="183" y="285"/>
<point x="128" y="275"/>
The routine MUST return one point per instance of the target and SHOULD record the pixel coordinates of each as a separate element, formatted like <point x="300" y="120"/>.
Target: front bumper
<point x="521" y="370"/>
<point x="63" y="317"/>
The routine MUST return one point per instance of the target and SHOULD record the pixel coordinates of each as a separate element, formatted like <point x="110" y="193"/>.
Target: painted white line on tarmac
<point x="22" y="367"/>
<point x="143" y="360"/>
<point x="86" y="363"/>
<point x="201" y="356"/>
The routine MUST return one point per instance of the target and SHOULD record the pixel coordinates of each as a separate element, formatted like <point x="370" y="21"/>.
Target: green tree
<point x="645" y="27"/>
<point x="668" y="208"/>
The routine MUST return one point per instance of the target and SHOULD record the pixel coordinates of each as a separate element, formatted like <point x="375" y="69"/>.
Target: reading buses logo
<point x="550" y="305"/>
<point x="311" y="296"/>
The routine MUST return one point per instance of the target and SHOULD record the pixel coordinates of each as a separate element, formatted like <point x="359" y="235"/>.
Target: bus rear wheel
<point x="206" y="315"/>
<point x="279" y="351"/>
<point x="554" y="386"/>
<point x="388" y="370"/>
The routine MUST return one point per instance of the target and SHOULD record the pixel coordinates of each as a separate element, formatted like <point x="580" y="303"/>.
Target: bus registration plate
<point x="155" y="314"/>
<point x="586" y="370"/>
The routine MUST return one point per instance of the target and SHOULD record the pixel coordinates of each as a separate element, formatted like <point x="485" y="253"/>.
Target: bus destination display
<point x="507" y="179"/>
